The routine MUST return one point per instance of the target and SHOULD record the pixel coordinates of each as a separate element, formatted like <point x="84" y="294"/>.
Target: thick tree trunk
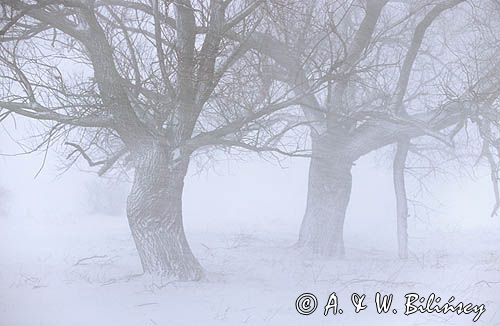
<point x="329" y="189"/>
<point x="154" y="210"/>
<point x="401" y="198"/>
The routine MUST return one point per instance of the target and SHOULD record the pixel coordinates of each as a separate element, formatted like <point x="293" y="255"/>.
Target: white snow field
<point x="63" y="266"/>
<point x="70" y="272"/>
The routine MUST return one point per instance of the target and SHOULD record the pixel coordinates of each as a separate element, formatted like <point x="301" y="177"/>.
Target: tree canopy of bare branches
<point x="147" y="84"/>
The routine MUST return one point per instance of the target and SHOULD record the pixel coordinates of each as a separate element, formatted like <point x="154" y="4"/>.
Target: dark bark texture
<point x="154" y="210"/>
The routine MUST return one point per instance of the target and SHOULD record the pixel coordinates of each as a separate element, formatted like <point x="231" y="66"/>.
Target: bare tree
<point x="148" y="84"/>
<point x="482" y="92"/>
<point x="398" y="109"/>
<point x="142" y="84"/>
<point x="370" y="50"/>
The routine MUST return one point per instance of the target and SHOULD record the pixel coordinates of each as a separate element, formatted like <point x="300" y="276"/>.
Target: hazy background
<point x="252" y="195"/>
<point x="67" y="256"/>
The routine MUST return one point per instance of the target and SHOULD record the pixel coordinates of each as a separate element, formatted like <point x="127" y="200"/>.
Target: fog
<point x="257" y="195"/>
<point x="251" y="204"/>
<point x="249" y="162"/>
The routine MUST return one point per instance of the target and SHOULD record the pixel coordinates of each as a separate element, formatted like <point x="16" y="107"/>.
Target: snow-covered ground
<point x="61" y="264"/>
<point x="64" y="270"/>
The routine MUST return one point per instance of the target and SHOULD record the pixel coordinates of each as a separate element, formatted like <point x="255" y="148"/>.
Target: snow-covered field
<point x="83" y="271"/>
<point x="61" y="265"/>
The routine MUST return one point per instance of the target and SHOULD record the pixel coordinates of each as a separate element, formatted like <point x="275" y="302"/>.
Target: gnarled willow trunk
<point x="154" y="210"/>
<point x="329" y="189"/>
